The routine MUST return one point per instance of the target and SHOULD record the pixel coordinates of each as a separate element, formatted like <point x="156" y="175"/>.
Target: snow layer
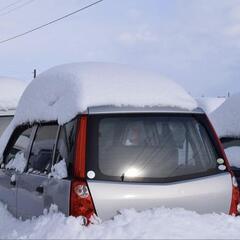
<point x="67" y="90"/>
<point x="10" y="93"/>
<point x="226" y="118"/>
<point x="210" y="104"/>
<point x="159" y="223"/>
<point x="59" y="170"/>
<point x="64" y="91"/>
<point x="18" y="163"/>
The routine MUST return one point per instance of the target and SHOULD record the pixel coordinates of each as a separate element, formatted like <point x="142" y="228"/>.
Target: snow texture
<point x="233" y="155"/>
<point x="67" y="90"/>
<point x="158" y="223"/>
<point x="10" y="92"/>
<point x="59" y="170"/>
<point x="226" y="119"/>
<point x="210" y="104"/>
<point x="18" y="163"/>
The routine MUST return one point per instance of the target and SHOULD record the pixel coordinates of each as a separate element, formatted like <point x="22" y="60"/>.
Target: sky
<point x="194" y="42"/>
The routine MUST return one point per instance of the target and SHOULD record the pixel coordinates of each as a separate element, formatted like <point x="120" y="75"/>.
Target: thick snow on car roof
<point x="64" y="91"/>
<point x="67" y="90"/>
<point x="10" y="93"/>
<point x="226" y="118"/>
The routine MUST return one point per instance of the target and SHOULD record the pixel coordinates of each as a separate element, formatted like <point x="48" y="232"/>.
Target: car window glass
<point x="65" y="144"/>
<point x="42" y="149"/>
<point x="4" y="122"/>
<point x="154" y="147"/>
<point x="16" y="158"/>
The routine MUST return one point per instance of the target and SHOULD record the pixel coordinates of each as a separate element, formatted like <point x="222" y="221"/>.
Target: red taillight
<point x="81" y="200"/>
<point x="234" y="208"/>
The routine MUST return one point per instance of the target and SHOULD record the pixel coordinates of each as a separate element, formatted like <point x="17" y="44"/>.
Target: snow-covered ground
<point x="149" y="224"/>
<point x="210" y="104"/>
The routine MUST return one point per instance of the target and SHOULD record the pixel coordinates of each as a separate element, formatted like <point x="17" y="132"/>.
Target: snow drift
<point x="161" y="223"/>
<point x="226" y="119"/>
<point x="67" y="90"/>
<point x="210" y="104"/>
<point x="10" y="93"/>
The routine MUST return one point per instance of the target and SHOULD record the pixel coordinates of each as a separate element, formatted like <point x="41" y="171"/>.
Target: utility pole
<point x="34" y="73"/>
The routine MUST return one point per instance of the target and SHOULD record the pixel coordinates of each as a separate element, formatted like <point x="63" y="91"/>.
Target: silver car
<point x="110" y="158"/>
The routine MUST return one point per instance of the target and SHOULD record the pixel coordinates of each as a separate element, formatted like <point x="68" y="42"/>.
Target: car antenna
<point x="34" y="73"/>
<point x="122" y="177"/>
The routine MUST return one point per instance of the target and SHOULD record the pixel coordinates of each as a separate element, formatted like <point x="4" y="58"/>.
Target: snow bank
<point x="159" y="223"/>
<point x="210" y="104"/>
<point x="67" y="90"/>
<point x="10" y="93"/>
<point x="226" y="119"/>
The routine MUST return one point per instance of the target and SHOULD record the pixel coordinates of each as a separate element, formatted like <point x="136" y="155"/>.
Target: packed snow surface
<point x="226" y="118"/>
<point x="158" y="223"/>
<point x="210" y="104"/>
<point x="67" y="90"/>
<point x="64" y="91"/>
<point x="10" y="93"/>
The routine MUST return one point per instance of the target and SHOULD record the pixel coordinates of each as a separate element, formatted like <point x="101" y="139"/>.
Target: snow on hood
<point x="10" y="93"/>
<point x="210" y="104"/>
<point x="67" y="90"/>
<point x="226" y="118"/>
<point x="64" y="91"/>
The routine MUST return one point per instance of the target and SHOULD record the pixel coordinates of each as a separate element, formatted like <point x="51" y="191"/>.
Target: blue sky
<point x="194" y="42"/>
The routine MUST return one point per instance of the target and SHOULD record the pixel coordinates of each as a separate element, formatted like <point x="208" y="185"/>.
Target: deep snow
<point x="10" y="93"/>
<point x="226" y="118"/>
<point x="129" y="224"/>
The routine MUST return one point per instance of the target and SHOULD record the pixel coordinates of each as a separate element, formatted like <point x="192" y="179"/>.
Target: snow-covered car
<point x="226" y="120"/>
<point x="102" y="137"/>
<point x="10" y="93"/>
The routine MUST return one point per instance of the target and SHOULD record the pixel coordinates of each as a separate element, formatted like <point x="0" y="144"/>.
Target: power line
<point x="18" y="7"/>
<point x="10" y="5"/>
<point x="51" y="22"/>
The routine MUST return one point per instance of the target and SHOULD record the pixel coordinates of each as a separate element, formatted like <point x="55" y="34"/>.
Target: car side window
<point x="65" y="144"/>
<point x="15" y="157"/>
<point x="41" y="154"/>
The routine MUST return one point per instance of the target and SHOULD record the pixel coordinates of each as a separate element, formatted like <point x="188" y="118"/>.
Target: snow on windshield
<point x="10" y="93"/>
<point x="226" y="118"/>
<point x="161" y="223"/>
<point x="67" y="90"/>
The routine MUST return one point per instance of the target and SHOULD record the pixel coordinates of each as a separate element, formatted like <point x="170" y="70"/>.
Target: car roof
<point x="129" y="109"/>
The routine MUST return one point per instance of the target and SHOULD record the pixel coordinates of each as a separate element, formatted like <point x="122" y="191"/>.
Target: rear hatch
<point x="147" y="160"/>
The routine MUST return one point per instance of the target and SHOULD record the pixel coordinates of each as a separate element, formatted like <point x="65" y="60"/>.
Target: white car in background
<point x="226" y="120"/>
<point x="99" y="138"/>
<point x="10" y="92"/>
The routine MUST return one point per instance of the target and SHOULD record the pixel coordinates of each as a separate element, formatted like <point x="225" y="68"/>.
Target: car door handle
<point x="40" y="189"/>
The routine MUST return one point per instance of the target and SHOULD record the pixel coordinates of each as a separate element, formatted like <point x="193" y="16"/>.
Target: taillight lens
<point x="234" y="210"/>
<point x="81" y="201"/>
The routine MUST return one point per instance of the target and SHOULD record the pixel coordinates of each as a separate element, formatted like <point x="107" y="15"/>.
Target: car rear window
<point x="148" y="148"/>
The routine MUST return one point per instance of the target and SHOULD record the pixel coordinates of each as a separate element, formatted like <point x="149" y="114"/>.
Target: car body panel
<point x="8" y="192"/>
<point x="204" y="195"/>
<point x="32" y="203"/>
